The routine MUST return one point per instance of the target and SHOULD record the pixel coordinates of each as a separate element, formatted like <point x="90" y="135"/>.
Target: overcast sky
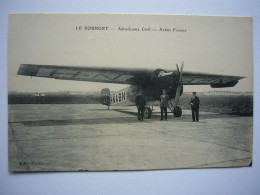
<point x="216" y="45"/>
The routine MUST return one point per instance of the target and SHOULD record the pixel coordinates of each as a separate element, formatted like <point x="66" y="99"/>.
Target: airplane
<point x="151" y="82"/>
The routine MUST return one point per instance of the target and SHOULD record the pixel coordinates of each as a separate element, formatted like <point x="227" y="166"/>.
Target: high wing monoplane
<point x="151" y="82"/>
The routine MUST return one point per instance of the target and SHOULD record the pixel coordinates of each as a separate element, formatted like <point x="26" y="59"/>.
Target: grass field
<point x="231" y="104"/>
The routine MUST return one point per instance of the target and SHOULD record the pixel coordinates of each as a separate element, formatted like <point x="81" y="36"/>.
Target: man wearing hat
<point x="195" y="105"/>
<point x="140" y="104"/>
<point x="164" y="104"/>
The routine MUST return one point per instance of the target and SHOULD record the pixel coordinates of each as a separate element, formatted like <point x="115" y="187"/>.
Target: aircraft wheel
<point x="177" y="112"/>
<point x="147" y="112"/>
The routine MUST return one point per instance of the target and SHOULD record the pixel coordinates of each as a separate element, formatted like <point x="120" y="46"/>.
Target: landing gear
<point x="177" y="111"/>
<point x="147" y="112"/>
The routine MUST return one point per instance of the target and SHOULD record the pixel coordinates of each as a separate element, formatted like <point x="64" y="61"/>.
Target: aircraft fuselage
<point x="152" y="91"/>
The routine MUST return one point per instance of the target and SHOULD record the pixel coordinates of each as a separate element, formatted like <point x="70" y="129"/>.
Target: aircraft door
<point x="105" y="96"/>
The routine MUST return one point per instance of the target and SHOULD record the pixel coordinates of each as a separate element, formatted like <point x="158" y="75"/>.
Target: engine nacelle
<point x="161" y="73"/>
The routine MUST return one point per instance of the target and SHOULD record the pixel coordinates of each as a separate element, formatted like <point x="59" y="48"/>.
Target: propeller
<point x="177" y="67"/>
<point x="180" y="79"/>
<point x="179" y="85"/>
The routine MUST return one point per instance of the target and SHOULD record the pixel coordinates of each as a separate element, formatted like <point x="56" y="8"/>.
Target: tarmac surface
<point x="80" y="137"/>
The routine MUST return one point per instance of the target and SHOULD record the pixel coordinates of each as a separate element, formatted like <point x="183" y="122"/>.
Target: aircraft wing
<point x="94" y="74"/>
<point x="124" y="75"/>
<point x="214" y="80"/>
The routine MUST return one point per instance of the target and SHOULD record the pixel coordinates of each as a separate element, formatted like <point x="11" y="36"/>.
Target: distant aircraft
<point x="151" y="82"/>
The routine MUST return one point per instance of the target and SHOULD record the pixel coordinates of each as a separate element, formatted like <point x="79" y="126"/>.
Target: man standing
<point x="164" y="104"/>
<point x="195" y="105"/>
<point x="140" y="103"/>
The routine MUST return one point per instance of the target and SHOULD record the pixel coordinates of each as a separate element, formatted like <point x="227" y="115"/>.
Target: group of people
<point x="164" y="98"/>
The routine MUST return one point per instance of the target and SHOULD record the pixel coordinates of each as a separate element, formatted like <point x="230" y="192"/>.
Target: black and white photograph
<point x="126" y="92"/>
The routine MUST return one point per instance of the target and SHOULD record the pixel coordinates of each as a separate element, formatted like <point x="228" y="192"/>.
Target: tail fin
<point x="105" y="96"/>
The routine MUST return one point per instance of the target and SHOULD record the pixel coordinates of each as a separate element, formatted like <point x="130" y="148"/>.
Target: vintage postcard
<point x="105" y="92"/>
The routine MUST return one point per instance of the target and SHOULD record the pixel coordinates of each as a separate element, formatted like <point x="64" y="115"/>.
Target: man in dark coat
<point x="140" y="103"/>
<point x="195" y="105"/>
<point x="164" y="104"/>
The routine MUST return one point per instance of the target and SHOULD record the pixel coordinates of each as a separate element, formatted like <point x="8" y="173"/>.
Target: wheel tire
<point x="177" y="112"/>
<point x="147" y="112"/>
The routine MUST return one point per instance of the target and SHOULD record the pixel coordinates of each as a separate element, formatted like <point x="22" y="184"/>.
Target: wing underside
<point x="122" y="75"/>
<point x="111" y="75"/>
<point x="190" y="78"/>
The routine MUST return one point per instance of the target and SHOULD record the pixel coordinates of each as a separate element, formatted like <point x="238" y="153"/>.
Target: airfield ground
<point x="79" y="137"/>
